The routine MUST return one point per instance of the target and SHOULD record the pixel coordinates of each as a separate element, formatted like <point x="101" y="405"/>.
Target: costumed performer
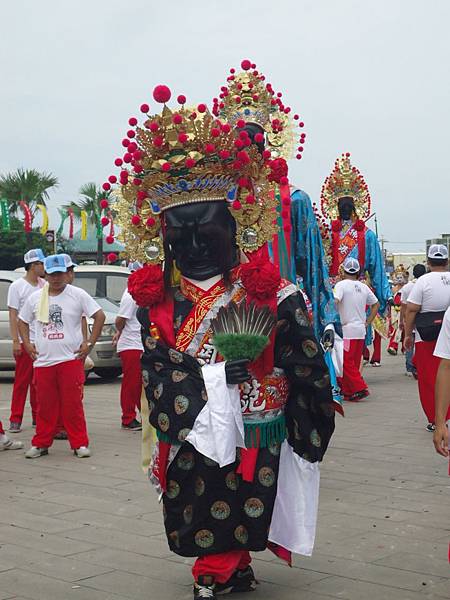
<point x="239" y="444"/>
<point x="399" y="279"/>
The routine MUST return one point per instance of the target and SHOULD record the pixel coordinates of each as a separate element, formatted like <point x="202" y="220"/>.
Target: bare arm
<point x="373" y="313"/>
<point x="14" y="330"/>
<point x="86" y="345"/>
<point x="24" y="330"/>
<point x="402" y="316"/>
<point x="442" y="395"/>
<point x="84" y="328"/>
<point x="410" y="317"/>
<point x="120" y="324"/>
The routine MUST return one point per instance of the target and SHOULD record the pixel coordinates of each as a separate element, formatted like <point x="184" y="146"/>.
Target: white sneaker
<point x="375" y="364"/>
<point x="82" y="452"/>
<point x="35" y="452"/>
<point x="10" y="445"/>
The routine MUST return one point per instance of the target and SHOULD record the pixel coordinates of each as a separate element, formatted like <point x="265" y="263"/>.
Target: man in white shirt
<point x="418" y="271"/>
<point x="58" y="352"/>
<point x="442" y="390"/>
<point x="426" y="304"/>
<point x="129" y="348"/>
<point x="18" y="292"/>
<point x="352" y="298"/>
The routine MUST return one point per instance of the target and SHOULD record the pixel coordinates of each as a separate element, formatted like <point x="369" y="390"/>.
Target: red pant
<point x="2" y="431"/>
<point x="221" y="566"/>
<point x="60" y="391"/>
<point x="376" y="355"/>
<point x="352" y="380"/>
<point x="130" y="391"/>
<point x="427" y="366"/>
<point x="22" y="381"/>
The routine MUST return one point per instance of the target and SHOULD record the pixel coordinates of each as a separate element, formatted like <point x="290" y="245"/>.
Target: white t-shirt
<point x="353" y="298"/>
<point x="406" y="290"/>
<point x="18" y="292"/>
<point x="432" y="292"/>
<point x="58" y="340"/>
<point x="442" y="349"/>
<point x="130" y="338"/>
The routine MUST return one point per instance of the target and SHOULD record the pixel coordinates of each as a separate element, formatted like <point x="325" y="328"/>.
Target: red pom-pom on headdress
<point x="146" y="285"/>
<point x="162" y="94"/>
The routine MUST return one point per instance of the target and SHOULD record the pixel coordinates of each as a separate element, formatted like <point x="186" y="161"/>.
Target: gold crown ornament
<point x="187" y="156"/>
<point x="345" y="180"/>
<point x="247" y="98"/>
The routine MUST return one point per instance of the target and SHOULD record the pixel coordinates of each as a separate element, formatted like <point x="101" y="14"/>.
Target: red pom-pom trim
<point x="181" y="99"/>
<point x="162" y="94"/>
<point x="189" y="162"/>
<point x="336" y="225"/>
<point x="145" y="108"/>
<point x="104" y="221"/>
<point x="260" y="278"/>
<point x="240" y="123"/>
<point x="246" y="65"/>
<point x="201" y="108"/>
<point x="109" y="239"/>
<point x="112" y="257"/>
<point x="104" y="203"/>
<point x="359" y="225"/>
<point x="146" y="285"/>
<point x="136" y="220"/>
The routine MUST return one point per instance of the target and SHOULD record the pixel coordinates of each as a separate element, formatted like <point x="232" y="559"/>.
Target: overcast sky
<point x="367" y="77"/>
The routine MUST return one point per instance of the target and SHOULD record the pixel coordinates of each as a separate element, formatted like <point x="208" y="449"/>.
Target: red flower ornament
<point x="146" y="285"/>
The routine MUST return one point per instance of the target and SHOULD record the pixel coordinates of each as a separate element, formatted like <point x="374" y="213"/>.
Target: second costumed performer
<point x="237" y="386"/>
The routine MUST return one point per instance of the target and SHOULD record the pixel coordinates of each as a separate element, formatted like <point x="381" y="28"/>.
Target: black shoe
<point x="431" y="427"/>
<point x="134" y="425"/>
<point x="240" y="582"/>
<point x="205" y="588"/>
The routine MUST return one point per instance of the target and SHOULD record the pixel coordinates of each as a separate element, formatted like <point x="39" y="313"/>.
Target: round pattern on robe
<point x="220" y="510"/>
<point x="178" y="376"/>
<point x="310" y="348"/>
<point x="266" y="476"/>
<point x="158" y="391"/>
<point x="186" y="461"/>
<point x="232" y="481"/>
<point x="174" y="537"/>
<point x="315" y="438"/>
<point x="163" y="421"/>
<point x="274" y="448"/>
<point x="323" y="382"/>
<point x="301" y="318"/>
<point x="173" y="489"/>
<point x="150" y="343"/>
<point x="204" y="538"/>
<point x="181" y="404"/>
<point x="253" y="508"/>
<point x="145" y="378"/>
<point x="183" y="433"/>
<point x="158" y="366"/>
<point x="302" y="372"/>
<point x="286" y="351"/>
<point x="188" y="514"/>
<point x="175" y="356"/>
<point x="241" y="534"/>
<point x="199" y="487"/>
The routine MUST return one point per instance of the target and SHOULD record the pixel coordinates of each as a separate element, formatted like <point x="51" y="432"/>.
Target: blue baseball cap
<point x="34" y="255"/>
<point x="55" y="263"/>
<point x="68" y="261"/>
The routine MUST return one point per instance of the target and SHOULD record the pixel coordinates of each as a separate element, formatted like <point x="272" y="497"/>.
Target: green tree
<point x="28" y="185"/>
<point x="91" y="195"/>
<point x="14" y="244"/>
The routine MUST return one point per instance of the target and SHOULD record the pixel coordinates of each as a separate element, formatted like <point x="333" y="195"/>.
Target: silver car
<point x="97" y="281"/>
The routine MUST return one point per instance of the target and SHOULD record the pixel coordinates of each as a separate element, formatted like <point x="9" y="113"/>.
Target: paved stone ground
<point x="92" y="529"/>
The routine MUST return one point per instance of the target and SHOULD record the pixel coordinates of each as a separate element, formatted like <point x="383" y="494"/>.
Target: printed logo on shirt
<point x="357" y="289"/>
<point x="53" y="329"/>
<point x="445" y="280"/>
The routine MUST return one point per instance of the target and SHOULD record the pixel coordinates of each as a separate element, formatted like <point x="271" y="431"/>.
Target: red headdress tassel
<point x="70" y="213"/>
<point x="261" y="280"/>
<point x="27" y="216"/>
<point x="336" y="227"/>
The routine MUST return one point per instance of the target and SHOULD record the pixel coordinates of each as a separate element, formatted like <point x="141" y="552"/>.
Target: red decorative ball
<point x="158" y="141"/>
<point x="237" y="99"/>
<point x="201" y="108"/>
<point x="166" y="167"/>
<point x="124" y="174"/>
<point x="118" y="162"/>
<point x="132" y="121"/>
<point x="106" y="186"/>
<point x="162" y="94"/>
<point x="104" y="203"/>
<point x="138" y="168"/>
<point x="104" y="221"/>
<point x="336" y="225"/>
<point x="224" y="154"/>
<point x="136" y="220"/>
<point x="146" y="285"/>
<point x="250" y="199"/>
<point x="153" y="126"/>
<point x="296" y="117"/>
<point x="236" y="205"/>
<point x="112" y="256"/>
<point x="109" y="239"/>
<point x="298" y="156"/>
<point x="141" y="195"/>
<point x="243" y="157"/>
<point x="138" y="154"/>
<point x="112" y="179"/>
<point x="127" y="157"/>
<point x="347" y="154"/>
<point x="183" y="138"/>
<point x="181" y="99"/>
<point x="177" y="119"/>
<point x="132" y="147"/>
<point x="210" y="148"/>
<point x="246" y="65"/>
<point x="226" y="128"/>
<point x="150" y="222"/>
<point x="259" y="138"/>
<point x="266" y="154"/>
<point x="359" y="225"/>
<point x="240" y="123"/>
<point x="301" y="124"/>
<point x="244" y="182"/>
<point x="215" y="132"/>
<point x="126" y="142"/>
<point x="260" y="278"/>
<point x="145" y="108"/>
<point x="189" y="162"/>
<point x="137" y="181"/>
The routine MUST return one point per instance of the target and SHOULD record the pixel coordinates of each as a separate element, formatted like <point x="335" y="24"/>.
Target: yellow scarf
<point x="43" y="310"/>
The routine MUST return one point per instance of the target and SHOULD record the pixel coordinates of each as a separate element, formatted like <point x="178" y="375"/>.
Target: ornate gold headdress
<point x="400" y="275"/>
<point x="187" y="156"/>
<point x="248" y="98"/>
<point x="345" y="180"/>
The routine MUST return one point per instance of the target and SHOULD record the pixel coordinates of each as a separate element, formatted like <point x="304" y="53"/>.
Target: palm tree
<point x="90" y="202"/>
<point x="28" y="185"/>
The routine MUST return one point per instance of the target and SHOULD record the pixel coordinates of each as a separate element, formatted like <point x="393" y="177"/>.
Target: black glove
<point x="391" y="302"/>
<point x="236" y="371"/>
<point x="328" y="339"/>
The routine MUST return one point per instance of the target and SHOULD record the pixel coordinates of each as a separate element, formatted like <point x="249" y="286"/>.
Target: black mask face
<point x="346" y="208"/>
<point x="201" y="239"/>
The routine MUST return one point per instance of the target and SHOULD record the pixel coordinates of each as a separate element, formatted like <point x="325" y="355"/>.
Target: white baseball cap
<point x="351" y="265"/>
<point x="438" y="251"/>
<point x="34" y="255"/>
<point x="68" y="261"/>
